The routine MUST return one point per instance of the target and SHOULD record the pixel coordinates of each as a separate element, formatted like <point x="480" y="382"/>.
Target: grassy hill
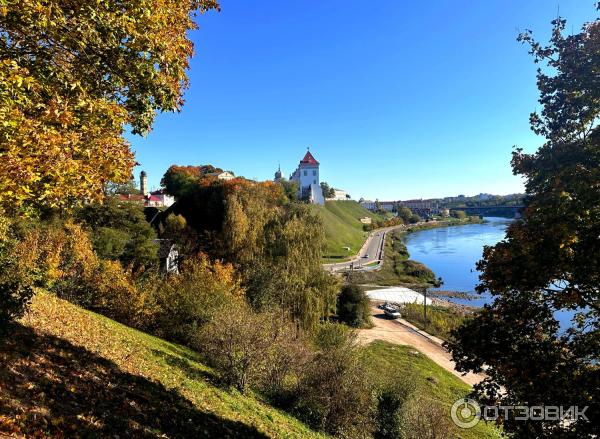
<point x="431" y="381"/>
<point x="73" y="372"/>
<point x="343" y="227"/>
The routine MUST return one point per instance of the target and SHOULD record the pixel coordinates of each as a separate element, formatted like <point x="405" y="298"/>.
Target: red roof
<point x="309" y="159"/>
<point x="153" y="198"/>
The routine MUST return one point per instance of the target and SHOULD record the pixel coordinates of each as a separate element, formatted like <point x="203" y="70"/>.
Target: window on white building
<point x="315" y="181"/>
<point x="314" y="172"/>
<point x="305" y="173"/>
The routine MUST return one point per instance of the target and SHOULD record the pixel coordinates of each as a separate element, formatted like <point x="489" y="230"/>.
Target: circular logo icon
<point x="465" y="413"/>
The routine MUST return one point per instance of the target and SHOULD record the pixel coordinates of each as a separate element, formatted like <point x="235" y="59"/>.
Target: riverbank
<point x="397" y="268"/>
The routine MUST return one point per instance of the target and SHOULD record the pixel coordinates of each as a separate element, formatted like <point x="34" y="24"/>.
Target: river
<point x="452" y="252"/>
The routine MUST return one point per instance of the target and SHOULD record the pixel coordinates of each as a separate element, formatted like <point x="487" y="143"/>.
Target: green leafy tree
<point x="328" y="191"/>
<point x="353" y="306"/>
<point x="549" y="262"/>
<point x="291" y="189"/>
<point x="120" y="231"/>
<point x="182" y="180"/>
<point x="405" y="213"/>
<point x="414" y="218"/>
<point x="458" y="214"/>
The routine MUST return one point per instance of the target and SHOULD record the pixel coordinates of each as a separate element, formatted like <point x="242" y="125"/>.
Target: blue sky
<point x="396" y="99"/>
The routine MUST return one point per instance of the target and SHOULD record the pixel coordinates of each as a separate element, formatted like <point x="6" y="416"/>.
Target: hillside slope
<point x="343" y="227"/>
<point x="73" y="372"/>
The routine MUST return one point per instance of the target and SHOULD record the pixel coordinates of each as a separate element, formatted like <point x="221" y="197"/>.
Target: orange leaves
<point x="73" y="74"/>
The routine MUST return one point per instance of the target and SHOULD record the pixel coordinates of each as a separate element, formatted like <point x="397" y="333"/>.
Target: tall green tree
<point x="549" y="262"/>
<point x="73" y="74"/>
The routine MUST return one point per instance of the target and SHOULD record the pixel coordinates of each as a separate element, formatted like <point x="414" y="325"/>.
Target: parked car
<point x="390" y="310"/>
<point x="392" y="313"/>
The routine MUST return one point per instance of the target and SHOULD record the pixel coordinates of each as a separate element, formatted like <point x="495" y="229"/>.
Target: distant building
<point x="162" y="198"/>
<point x="389" y="206"/>
<point x="225" y="175"/>
<point x="278" y="175"/>
<point x="157" y="198"/>
<point x="168" y="255"/>
<point x="143" y="183"/>
<point x="366" y="220"/>
<point x="307" y="177"/>
<point x="339" y="195"/>
<point x="368" y="204"/>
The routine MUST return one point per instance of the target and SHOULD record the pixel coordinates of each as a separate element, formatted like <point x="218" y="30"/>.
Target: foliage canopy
<point x="73" y="74"/>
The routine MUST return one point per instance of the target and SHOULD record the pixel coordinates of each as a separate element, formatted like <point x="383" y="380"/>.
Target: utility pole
<point x="425" y="308"/>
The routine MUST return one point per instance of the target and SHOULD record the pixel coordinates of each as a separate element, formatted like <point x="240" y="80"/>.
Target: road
<point x="401" y="332"/>
<point x="371" y="252"/>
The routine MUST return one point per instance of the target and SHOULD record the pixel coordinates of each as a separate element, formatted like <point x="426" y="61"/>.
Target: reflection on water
<point x="452" y="252"/>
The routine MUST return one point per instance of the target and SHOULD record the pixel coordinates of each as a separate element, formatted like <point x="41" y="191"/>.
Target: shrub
<point x="427" y="419"/>
<point x="248" y="348"/>
<point x="15" y="283"/>
<point x="188" y="301"/>
<point x="395" y="393"/>
<point x="440" y="320"/>
<point x="353" y="306"/>
<point x="335" y="392"/>
<point x="110" y="243"/>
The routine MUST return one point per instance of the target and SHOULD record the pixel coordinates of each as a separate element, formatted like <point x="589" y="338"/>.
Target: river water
<point x="452" y="252"/>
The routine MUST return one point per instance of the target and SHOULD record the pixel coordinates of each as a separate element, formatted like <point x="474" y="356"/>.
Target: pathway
<point x="402" y="332"/>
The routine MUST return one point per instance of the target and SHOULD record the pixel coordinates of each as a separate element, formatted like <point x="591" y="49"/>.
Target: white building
<point x="225" y="175"/>
<point x="307" y="177"/>
<point x="161" y="197"/>
<point x="339" y="195"/>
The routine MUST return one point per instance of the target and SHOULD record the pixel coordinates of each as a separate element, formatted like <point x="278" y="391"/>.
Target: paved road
<point x="401" y="332"/>
<point x="371" y="251"/>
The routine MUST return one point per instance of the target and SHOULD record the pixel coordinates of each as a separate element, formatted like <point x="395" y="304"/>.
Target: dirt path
<point x="402" y="332"/>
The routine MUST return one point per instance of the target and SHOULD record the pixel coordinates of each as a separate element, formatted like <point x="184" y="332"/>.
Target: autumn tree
<point x="181" y="180"/>
<point x="549" y="263"/>
<point x="73" y="74"/>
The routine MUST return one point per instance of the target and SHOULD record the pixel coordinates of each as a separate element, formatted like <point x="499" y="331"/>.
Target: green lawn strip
<point x="432" y="380"/>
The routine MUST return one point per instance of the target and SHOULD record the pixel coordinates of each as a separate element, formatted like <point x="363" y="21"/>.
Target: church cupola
<point x="278" y="175"/>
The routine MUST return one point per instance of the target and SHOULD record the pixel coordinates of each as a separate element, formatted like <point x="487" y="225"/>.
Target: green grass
<point x="71" y="366"/>
<point x="343" y="228"/>
<point x="396" y="268"/>
<point x="440" y="320"/>
<point x="431" y="380"/>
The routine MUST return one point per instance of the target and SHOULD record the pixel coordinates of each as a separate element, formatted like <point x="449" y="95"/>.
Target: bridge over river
<point x="503" y="211"/>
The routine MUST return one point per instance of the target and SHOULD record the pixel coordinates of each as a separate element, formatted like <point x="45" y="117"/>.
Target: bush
<point x="414" y="219"/>
<point x="252" y="349"/>
<point x="335" y="392"/>
<point x="353" y="306"/>
<point x="440" y="320"/>
<point x="191" y="299"/>
<point x="427" y="418"/>
<point x="418" y="270"/>
<point x="395" y="389"/>
<point x="15" y="283"/>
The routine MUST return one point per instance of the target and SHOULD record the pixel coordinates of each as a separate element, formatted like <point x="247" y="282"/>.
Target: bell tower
<point x="143" y="183"/>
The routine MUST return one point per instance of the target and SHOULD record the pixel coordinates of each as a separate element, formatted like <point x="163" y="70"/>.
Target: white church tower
<point x="307" y="177"/>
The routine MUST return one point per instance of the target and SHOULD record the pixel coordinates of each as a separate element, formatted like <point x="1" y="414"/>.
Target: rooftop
<point x="308" y="159"/>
